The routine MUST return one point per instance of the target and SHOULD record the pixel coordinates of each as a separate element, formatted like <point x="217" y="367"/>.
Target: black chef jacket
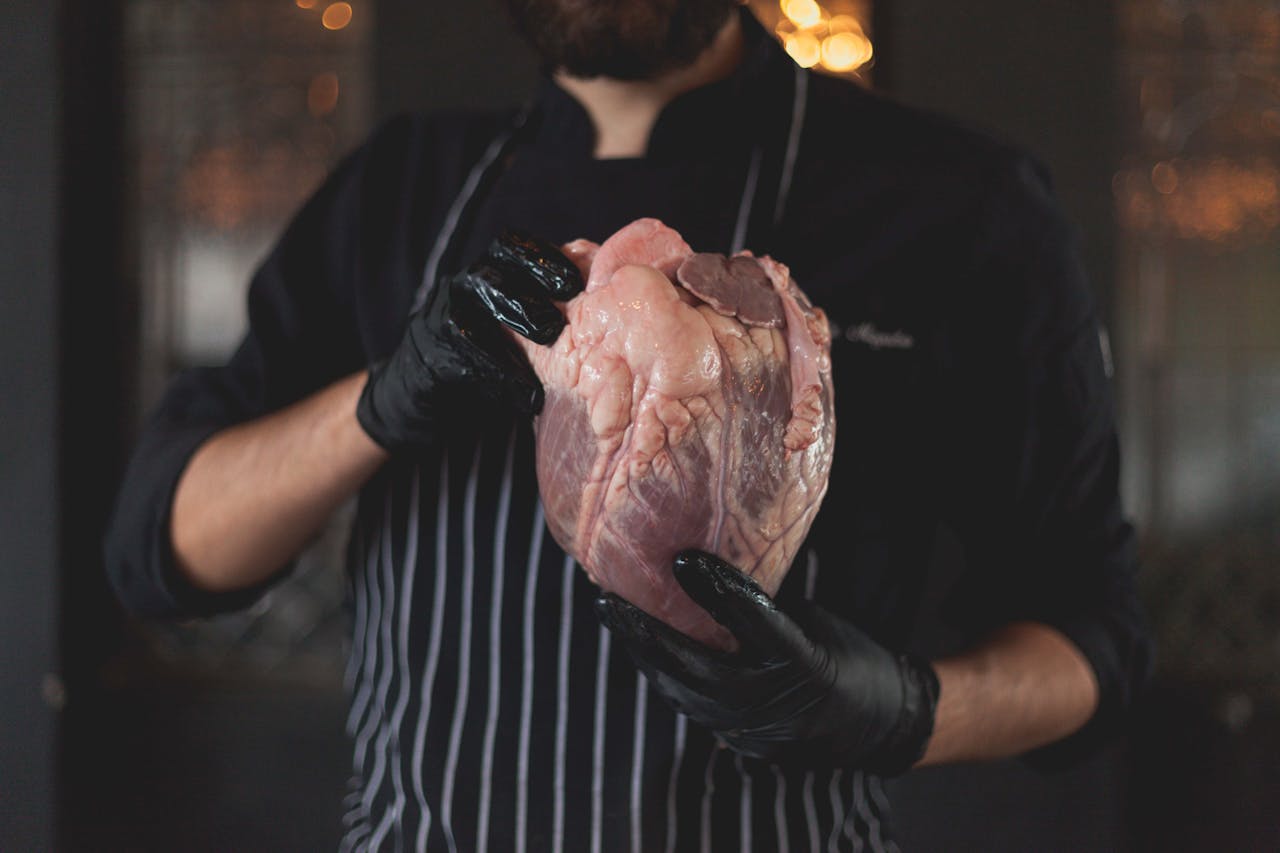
<point x="489" y="709"/>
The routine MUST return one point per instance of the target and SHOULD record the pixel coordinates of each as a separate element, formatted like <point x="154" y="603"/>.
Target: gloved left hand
<point x="811" y="690"/>
<point x="456" y="364"/>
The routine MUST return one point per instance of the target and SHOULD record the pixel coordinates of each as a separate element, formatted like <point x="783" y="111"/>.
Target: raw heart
<point x="689" y="415"/>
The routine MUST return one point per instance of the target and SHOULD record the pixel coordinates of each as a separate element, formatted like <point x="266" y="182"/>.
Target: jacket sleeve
<point x="1035" y="495"/>
<point x="302" y="336"/>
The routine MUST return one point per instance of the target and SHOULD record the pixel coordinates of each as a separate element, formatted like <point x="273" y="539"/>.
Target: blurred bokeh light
<point x="831" y="37"/>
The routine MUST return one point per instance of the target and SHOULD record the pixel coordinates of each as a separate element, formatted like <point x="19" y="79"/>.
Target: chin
<point x="621" y="39"/>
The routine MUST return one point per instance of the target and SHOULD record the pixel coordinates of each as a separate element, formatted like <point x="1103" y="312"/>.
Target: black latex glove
<point x="455" y="362"/>
<point x="811" y="690"/>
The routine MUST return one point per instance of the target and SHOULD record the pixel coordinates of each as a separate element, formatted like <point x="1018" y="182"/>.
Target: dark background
<point x="96" y="754"/>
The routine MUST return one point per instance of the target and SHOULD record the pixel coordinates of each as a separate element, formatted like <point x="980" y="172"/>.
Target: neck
<point x="625" y="111"/>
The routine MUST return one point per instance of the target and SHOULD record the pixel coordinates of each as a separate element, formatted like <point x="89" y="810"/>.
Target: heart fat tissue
<point x="688" y="405"/>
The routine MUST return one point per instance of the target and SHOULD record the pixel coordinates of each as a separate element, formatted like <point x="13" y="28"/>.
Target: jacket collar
<point x="722" y="115"/>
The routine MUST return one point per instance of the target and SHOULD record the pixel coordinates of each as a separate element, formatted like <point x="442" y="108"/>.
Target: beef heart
<point x="688" y="405"/>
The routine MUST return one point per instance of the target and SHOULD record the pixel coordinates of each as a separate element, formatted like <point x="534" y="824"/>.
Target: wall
<point x="28" y="389"/>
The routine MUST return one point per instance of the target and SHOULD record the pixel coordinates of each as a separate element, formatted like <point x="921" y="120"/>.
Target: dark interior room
<point x="154" y="151"/>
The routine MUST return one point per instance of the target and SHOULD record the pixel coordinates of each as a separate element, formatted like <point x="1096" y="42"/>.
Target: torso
<point x="490" y="710"/>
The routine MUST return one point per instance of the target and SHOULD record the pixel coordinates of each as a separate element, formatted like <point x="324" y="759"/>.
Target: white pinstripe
<point x="744" y="806"/>
<point x="365" y="697"/>
<point x="378" y="713"/>
<point x="837" y="811"/>
<point x="377" y="630"/>
<point x="810" y="573"/>
<point x="811" y="813"/>
<point x="352" y="802"/>
<point x="859" y="810"/>
<point x="433" y="650"/>
<point x="356" y="829"/>
<point x="465" y="612"/>
<point x="357" y="628"/>
<point x="355" y="783"/>
<point x="352" y="813"/>
<point x="562" y="700"/>
<point x="799" y="101"/>
<point x="708" y="790"/>
<point x="495" y="639"/>
<point x="456" y="210"/>
<point x="637" y="761"/>
<point x="354" y="837"/>
<point x="402" y="691"/>
<point x="367" y="643"/>
<point x="526" y="681"/>
<point x="353" y="794"/>
<point x="597" y="739"/>
<point x="882" y="805"/>
<point x="748" y="200"/>
<point x="682" y="725"/>
<point x="780" y="811"/>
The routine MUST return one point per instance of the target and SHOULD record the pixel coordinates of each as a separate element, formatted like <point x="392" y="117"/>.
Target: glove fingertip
<point x="606" y="609"/>
<point x="709" y="579"/>
<point x="543" y="261"/>
<point x="692" y="559"/>
<point x="548" y="328"/>
<point x="621" y="616"/>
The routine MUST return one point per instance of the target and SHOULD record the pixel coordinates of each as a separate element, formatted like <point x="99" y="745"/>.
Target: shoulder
<point x="396" y="187"/>
<point x="458" y="130"/>
<point x="365" y="230"/>
<point x="433" y="145"/>
<point x="855" y="132"/>
<point x="947" y="216"/>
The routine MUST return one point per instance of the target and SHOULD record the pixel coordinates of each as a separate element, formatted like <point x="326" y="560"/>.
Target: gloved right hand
<point x="455" y="361"/>
<point x="806" y="689"/>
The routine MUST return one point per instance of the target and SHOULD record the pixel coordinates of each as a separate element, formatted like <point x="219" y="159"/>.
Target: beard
<point x="623" y="39"/>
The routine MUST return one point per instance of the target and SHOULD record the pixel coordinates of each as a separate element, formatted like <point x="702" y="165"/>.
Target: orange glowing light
<point x="803" y="13"/>
<point x="1164" y="177"/>
<point x="1218" y="200"/>
<point x="845" y="51"/>
<point x="804" y="49"/>
<point x="322" y="94"/>
<point x="336" y="16"/>
<point x="305" y="4"/>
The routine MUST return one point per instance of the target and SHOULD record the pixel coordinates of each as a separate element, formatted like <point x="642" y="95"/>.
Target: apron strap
<point x="479" y="172"/>
<point x="786" y="170"/>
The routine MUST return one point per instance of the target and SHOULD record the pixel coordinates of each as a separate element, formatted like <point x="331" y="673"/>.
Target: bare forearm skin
<point x="1024" y="687"/>
<point x="255" y="494"/>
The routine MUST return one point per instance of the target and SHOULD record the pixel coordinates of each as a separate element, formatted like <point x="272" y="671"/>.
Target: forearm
<point x="255" y="494"/>
<point x="1024" y="687"/>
